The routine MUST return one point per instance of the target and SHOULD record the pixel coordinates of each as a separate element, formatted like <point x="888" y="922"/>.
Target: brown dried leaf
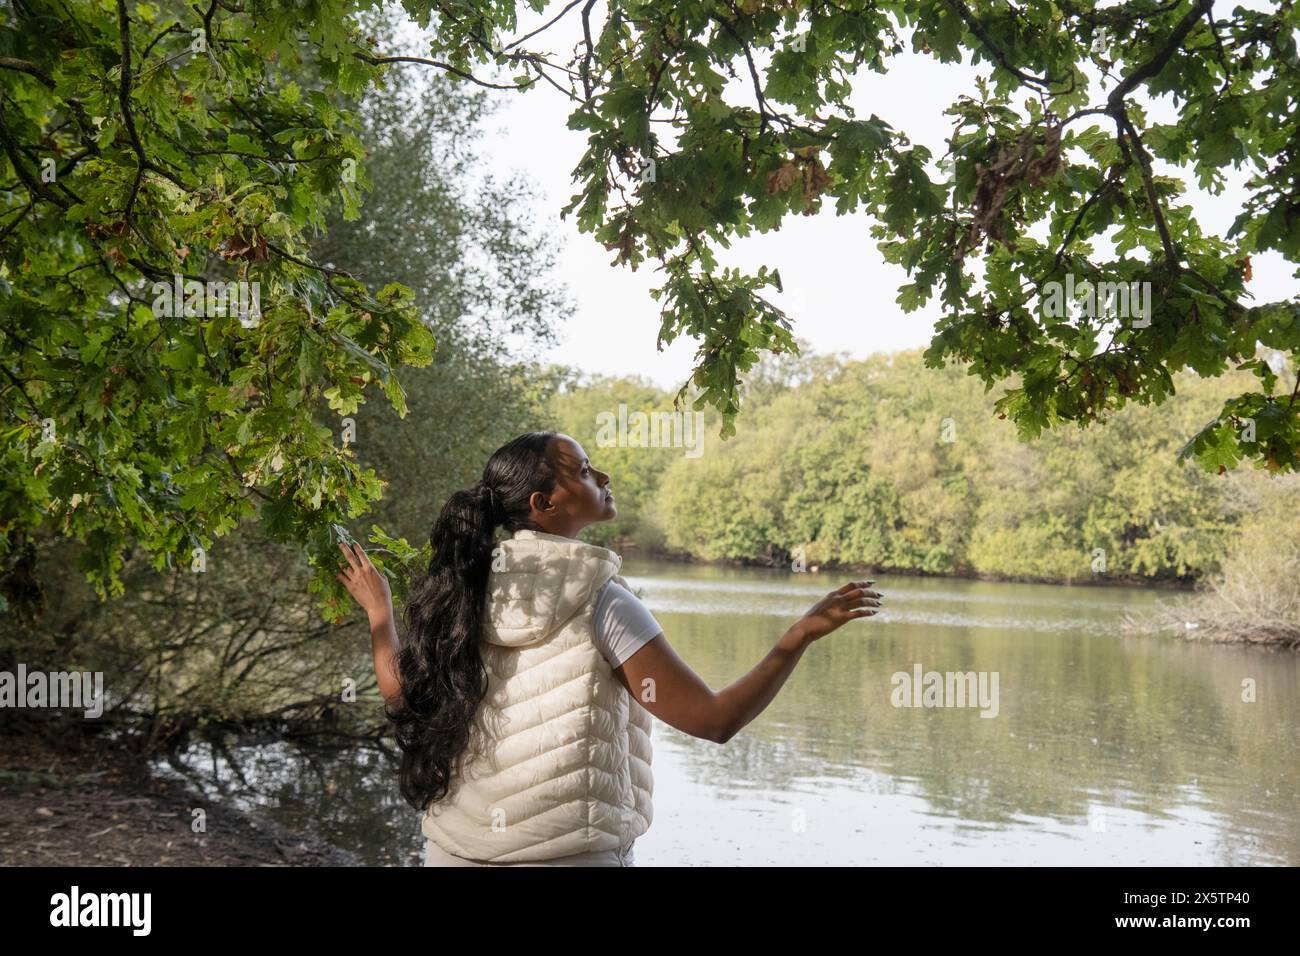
<point x="1016" y="165"/>
<point x="239" y="247"/>
<point x="783" y="178"/>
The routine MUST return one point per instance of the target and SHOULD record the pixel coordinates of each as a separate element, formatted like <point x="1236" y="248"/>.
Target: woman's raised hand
<point x="848" y="603"/>
<point x="365" y="583"/>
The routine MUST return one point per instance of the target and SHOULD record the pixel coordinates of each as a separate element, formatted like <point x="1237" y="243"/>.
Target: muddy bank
<point x="89" y="803"/>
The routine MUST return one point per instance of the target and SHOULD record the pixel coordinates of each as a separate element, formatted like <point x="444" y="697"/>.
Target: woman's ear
<point x="539" y="503"/>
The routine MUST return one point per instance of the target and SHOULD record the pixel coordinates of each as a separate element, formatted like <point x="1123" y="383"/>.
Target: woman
<point x="523" y="692"/>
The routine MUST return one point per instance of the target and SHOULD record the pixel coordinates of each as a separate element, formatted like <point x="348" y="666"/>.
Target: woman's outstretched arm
<point x="667" y="687"/>
<point x="384" y="645"/>
<point x="370" y="588"/>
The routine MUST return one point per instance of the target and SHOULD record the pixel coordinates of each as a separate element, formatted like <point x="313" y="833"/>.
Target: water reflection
<point x="347" y="797"/>
<point x="1106" y="750"/>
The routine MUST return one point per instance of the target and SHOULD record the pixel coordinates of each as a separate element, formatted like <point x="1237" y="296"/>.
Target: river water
<point x="1077" y="745"/>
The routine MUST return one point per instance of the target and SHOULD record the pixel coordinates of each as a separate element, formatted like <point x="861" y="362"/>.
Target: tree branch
<point x="586" y="60"/>
<point x="1144" y="166"/>
<point x="1153" y="66"/>
<point x="31" y="69"/>
<point x="982" y="35"/>
<point x="378" y="60"/>
<point x="546" y="26"/>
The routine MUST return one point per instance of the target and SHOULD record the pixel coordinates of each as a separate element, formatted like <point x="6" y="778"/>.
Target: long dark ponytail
<point x="440" y="665"/>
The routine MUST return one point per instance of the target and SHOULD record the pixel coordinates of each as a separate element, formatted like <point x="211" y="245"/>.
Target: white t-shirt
<point x="621" y="624"/>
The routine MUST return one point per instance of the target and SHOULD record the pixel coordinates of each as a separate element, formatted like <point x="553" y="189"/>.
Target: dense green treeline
<point x="887" y="464"/>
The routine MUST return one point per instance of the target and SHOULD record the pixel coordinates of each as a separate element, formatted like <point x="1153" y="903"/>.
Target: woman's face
<point x="581" y="495"/>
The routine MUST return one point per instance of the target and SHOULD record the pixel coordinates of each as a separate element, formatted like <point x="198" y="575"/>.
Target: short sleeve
<point x="621" y="624"/>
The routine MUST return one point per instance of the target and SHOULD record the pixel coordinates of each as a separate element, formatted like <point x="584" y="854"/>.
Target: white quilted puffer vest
<point x="566" y="765"/>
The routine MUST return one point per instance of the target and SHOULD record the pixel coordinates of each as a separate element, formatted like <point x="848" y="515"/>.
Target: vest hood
<point x="539" y="582"/>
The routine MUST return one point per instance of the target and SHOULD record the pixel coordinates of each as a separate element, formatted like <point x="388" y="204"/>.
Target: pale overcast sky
<point x="838" y="290"/>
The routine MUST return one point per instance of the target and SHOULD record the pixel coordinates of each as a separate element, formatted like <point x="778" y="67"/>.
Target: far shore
<point x="836" y="569"/>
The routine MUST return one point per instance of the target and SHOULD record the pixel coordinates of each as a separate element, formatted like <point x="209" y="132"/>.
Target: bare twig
<point x="378" y="60"/>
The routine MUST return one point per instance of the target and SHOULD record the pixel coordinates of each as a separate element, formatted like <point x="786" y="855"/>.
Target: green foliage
<point x="1049" y="174"/>
<point x="150" y="148"/>
<point x="891" y="465"/>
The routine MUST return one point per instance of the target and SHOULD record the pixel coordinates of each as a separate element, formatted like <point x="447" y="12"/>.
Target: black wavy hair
<point x="440" y="666"/>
